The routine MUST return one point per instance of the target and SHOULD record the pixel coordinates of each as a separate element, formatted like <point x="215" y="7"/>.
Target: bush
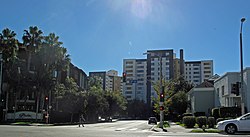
<point x="201" y="121"/>
<point x="219" y="119"/>
<point x="211" y="122"/>
<point x="215" y="113"/>
<point x="187" y="114"/>
<point x="198" y="114"/>
<point x="188" y="121"/>
<point x="230" y="112"/>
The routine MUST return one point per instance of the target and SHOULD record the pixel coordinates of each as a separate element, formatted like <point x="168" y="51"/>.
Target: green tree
<point x="117" y="103"/>
<point x="136" y="108"/>
<point x="175" y="95"/>
<point x="70" y="97"/>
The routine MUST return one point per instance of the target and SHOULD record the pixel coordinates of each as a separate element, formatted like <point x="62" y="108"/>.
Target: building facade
<point x="160" y="64"/>
<point x="196" y="72"/>
<point x="201" y="98"/>
<point x="110" y="81"/>
<point x="135" y="85"/>
<point x="223" y="90"/>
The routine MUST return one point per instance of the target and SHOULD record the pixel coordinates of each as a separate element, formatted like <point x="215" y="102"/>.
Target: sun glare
<point x="141" y="8"/>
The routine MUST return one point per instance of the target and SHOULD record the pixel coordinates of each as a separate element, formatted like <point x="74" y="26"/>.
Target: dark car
<point x="152" y="120"/>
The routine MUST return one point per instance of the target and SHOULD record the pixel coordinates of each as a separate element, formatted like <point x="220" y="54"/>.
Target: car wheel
<point x="230" y="129"/>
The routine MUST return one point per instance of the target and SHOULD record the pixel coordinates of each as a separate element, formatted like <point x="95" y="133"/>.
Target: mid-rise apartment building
<point x="160" y="64"/>
<point x="110" y="80"/>
<point x="196" y="72"/>
<point x="135" y="85"/>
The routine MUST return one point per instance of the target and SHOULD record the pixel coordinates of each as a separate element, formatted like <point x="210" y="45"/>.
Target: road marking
<point x="119" y="129"/>
<point x="132" y="129"/>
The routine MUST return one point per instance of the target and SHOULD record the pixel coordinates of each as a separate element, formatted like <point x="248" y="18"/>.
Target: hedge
<point x="189" y="121"/>
<point x="201" y="121"/>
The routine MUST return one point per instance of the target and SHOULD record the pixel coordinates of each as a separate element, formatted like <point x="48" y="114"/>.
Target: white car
<point x="231" y="126"/>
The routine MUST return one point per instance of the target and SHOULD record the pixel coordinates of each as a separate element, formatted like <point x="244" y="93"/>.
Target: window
<point x="129" y="88"/>
<point x="207" y="71"/>
<point x="140" y="67"/>
<point x="129" y="62"/>
<point x="196" y="80"/>
<point x="140" y="79"/>
<point x="129" y="75"/>
<point x="196" y="76"/>
<point x="218" y="91"/>
<point x="139" y="71"/>
<point x="222" y="90"/>
<point x="196" y="64"/>
<point x="196" y="68"/>
<point x="139" y="75"/>
<point x="207" y="68"/>
<point x="206" y="63"/>
<point x="129" y="66"/>
<point x="128" y="92"/>
<point x="196" y="72"/>
<point x="152" y="64"/>
<point x="127" y="71"/>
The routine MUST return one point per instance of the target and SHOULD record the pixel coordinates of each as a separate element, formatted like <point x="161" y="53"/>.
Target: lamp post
<point x="241" y="69"/>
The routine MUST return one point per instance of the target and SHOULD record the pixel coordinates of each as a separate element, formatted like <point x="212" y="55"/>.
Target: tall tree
<point x="8" y="48"/>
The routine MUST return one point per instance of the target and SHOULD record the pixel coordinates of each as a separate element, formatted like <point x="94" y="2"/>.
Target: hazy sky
<point x="99" y="34"/>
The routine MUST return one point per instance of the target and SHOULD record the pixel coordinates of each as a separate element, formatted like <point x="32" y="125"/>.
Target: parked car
<point x="231" y="126"/>
<point x="152" y="120"/>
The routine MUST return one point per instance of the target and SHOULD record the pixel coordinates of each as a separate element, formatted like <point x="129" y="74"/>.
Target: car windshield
<point x="113" y="67"/>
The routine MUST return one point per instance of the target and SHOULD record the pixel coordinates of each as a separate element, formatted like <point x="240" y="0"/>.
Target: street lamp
<point x="241" y="68"/>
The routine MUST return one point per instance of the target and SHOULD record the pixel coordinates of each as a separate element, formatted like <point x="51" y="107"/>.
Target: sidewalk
<point x="177" y="128"/>
<point x="174" y="128"/>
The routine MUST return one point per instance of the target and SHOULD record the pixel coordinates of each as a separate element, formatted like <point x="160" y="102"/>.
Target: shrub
<point x="198" y="114"/>
<point x="215" y="113"/>
<point x="229" y="112"/>
<point x="188" y="121"/>
<point x="219" y="119"/>
<point x="201" y="121"/>
<point x="211" y="122"/>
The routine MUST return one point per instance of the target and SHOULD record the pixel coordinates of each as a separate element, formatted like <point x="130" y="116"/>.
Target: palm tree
<point x="8" y="48"/>
<point x="32" y="39"/>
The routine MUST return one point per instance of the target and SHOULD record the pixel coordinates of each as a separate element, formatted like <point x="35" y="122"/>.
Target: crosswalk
<point x="136" y="126"/>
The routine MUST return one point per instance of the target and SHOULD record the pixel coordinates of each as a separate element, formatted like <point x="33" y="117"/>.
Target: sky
<point x="99" y="34"/>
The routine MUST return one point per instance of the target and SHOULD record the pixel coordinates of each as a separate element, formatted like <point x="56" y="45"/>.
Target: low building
<point x="223" y="87"/>
<point x="201" y="98"/>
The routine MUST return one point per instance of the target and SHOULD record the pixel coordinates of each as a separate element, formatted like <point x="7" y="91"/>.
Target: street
<point x="131" y="128"/>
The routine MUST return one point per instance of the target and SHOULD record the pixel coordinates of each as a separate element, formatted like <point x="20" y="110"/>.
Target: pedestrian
<point x="81" y="120"/>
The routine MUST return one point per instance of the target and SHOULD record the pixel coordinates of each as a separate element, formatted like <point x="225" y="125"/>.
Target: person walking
<point x="81" y="120"/>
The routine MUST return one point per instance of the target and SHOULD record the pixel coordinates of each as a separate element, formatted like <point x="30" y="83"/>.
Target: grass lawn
<point x="22" y="123"/>
<point x="206" y="131"/>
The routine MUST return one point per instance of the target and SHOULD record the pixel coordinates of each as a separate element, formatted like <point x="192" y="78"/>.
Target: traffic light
<point x="124" y="76"/>
<point x="235" y="89"/>
<point x="161" y="108"/>
<point x="46" y="100"/>
<point x="162" y="97"/>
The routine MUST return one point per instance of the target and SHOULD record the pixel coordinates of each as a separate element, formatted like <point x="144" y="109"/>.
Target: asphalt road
<point x="132" y="128"/>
